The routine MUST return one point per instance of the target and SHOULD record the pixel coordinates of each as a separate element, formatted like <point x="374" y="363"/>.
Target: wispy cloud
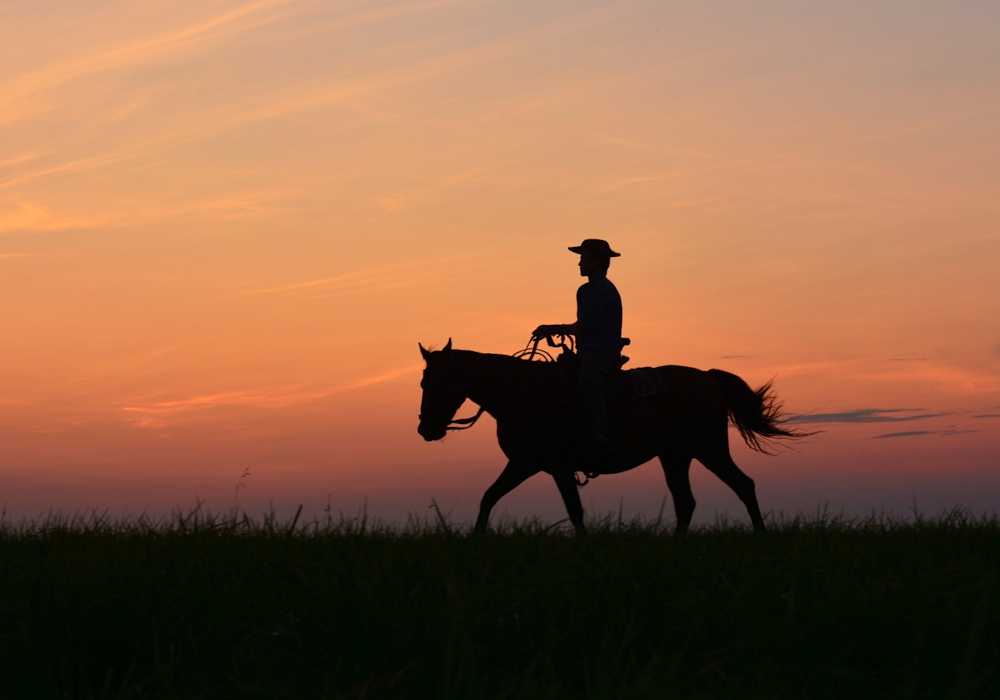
<point x="379" y="378"/>
<point x="159" y="413"/>
<point x="906" y="433"/>
<point x="868" y="415"/>
<point x="912" y="433"/>
<point x="388" y="276"/>
<point x="316" y="283"/>
<point x="27" y="216"/>
<point x="395" y="200"/>
<point x="946" y="378"/>
<point x="24" y="158"/>
<point x="203" y="124"/>
<point x="383" y="285"/>
<point x="23" y="216"/>
<point x="18" y="95"/>
<point x="75" y="165"/>
<point x="19" y="98"/>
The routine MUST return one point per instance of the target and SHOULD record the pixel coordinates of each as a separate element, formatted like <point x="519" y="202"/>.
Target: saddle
<point x="621" y="386"/>
<point x="629" y="385"/>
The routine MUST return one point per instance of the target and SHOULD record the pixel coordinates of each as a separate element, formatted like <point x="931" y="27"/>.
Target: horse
<point x="538" y="427"/>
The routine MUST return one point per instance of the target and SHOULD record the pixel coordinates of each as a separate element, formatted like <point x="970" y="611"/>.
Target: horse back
<point x="686" y="379"/>
<point x="691" y="394"/>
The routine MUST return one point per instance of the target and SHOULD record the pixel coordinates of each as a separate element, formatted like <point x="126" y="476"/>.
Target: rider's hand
<point x="542" y="331"/>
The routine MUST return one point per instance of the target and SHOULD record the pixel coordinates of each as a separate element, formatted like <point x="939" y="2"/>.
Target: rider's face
<point x="588" y="264"/>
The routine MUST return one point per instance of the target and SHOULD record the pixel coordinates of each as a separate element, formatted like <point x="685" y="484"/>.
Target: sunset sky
<point x="225" y="226"/>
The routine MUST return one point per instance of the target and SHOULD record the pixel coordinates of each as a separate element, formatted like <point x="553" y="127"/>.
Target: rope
<point x="531" y="351"/>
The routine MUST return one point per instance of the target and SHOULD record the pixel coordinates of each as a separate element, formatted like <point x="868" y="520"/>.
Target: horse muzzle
<point x="429" y="433"/>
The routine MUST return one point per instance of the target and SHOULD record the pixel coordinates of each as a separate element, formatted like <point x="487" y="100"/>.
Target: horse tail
<point x="756" y="413"/>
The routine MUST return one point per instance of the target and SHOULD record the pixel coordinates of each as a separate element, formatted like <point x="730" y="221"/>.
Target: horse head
<point x="442" y="393"/>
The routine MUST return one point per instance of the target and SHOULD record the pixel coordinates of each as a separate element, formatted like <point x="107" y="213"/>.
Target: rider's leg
<point x="595" y="366"/>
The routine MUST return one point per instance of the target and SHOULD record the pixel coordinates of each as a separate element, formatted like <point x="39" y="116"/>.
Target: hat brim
<point x="579" y="250"/>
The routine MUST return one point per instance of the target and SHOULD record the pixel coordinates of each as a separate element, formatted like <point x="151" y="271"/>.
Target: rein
<point x="465" y="423"/>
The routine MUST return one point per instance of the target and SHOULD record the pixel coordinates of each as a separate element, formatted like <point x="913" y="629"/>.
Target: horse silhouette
<point x="539" y="429"/>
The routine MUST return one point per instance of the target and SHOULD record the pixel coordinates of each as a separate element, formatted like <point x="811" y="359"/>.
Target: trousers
<point x="595" y="366"/>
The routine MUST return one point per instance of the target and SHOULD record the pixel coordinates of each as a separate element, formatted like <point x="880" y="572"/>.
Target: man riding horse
<point x="537" y="433"/>
<point x="599" y="342"/>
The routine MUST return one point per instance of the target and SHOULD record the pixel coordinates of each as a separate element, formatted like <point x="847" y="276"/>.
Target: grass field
<point x="202" y="607"/>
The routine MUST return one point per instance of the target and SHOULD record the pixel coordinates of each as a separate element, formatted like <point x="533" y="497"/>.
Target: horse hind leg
<point x="513" y="475"/>
<point x="676" y="469"/>
<point x="722" y="465"/>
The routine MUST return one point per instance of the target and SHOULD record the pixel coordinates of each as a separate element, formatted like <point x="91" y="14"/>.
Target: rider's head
<point x="595" y="257"/>
<point x="593" y="265"/>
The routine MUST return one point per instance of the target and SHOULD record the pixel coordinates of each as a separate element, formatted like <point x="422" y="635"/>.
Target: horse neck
<point x="486" y="378"/>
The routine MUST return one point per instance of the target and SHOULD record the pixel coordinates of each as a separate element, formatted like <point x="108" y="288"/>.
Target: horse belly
<point x="644" y="428"/>
<point x="538" y="441"/>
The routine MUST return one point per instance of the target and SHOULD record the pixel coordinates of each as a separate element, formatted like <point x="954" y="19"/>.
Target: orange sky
<point x="225" y="226"/>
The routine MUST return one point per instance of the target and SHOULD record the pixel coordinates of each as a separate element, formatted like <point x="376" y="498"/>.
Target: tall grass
<point x="228" y="606"/>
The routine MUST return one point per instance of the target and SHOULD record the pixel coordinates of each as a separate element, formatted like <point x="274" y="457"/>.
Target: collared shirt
<point x="599" y="316"/>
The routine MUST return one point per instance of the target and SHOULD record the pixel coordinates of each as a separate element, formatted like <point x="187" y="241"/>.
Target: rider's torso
<point x="599" y="316"/>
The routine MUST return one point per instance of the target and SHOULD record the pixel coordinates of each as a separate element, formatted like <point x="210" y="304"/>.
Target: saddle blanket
<point x="633" y="384"/>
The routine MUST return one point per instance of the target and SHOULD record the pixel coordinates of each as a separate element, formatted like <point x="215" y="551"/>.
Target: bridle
<point x="459" y="423"/>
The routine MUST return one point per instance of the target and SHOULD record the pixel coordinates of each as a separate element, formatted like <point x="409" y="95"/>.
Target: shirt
<point x="598" y="316"/>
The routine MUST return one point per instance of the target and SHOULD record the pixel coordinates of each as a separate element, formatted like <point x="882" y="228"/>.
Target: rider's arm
<point x="563" y="328"/>
<point x="556" y="329"/>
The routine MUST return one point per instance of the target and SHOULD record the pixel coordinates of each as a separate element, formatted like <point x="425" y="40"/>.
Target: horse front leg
<point x="570" y="492"/>
<point x="510" y="478"/>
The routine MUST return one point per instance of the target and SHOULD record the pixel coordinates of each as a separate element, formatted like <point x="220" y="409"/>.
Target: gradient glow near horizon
<point x="224" y="227"/>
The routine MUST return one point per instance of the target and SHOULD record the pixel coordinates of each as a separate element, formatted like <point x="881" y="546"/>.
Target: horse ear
<point x="423" y="352"/>
<point x="447" y="348"/>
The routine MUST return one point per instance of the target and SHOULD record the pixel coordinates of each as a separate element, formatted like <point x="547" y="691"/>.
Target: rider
<point x="598" y="331"/>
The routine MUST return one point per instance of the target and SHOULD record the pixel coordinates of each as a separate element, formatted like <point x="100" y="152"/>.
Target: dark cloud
<point x="988" y="415"/>
<point x="867" y="415"/>
<point x="907" y="433"/>
<point x="737" y="357"/>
